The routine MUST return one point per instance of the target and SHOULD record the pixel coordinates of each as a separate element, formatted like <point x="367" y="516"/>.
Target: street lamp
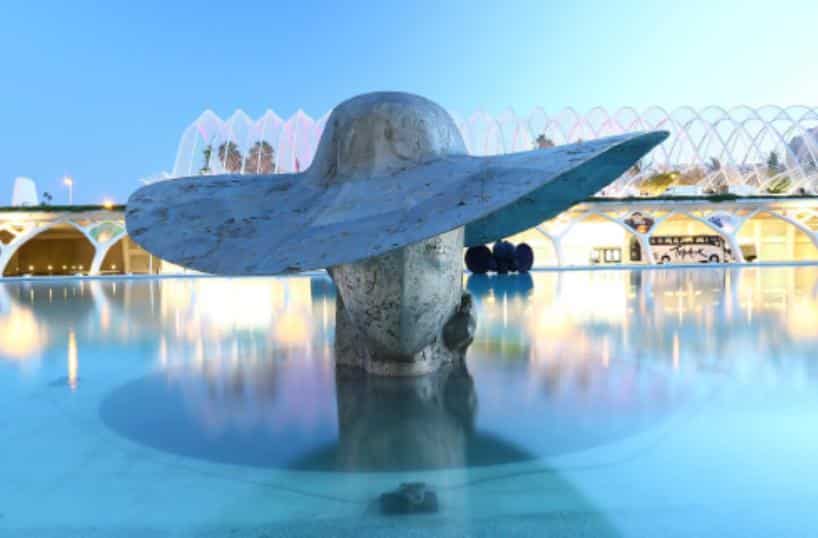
<point x="70" y="184"/>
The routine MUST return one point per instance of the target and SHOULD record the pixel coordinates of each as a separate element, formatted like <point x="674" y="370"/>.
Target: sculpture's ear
<point x="565" y="190"/>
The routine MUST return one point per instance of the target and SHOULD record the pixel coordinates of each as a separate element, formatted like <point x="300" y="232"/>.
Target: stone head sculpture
<point x="411" y="291"/>
<point x="388" y="203"/>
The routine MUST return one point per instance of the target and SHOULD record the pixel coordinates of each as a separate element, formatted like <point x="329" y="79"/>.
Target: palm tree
<point x="260" y="159"/>
<point x="543" y="142"/>
<point x="206" y="154"/>
<point x="230" y="156"/>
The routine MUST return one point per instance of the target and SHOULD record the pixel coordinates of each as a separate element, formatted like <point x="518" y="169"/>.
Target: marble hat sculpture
<point x="388" y="203"/>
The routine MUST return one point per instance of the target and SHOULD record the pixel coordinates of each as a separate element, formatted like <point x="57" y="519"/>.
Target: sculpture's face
<point x="383" y="133"/>
<point x="400" y="301"/>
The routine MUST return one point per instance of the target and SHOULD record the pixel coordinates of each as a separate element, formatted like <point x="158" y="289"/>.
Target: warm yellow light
<point x="50" y="267"/>
<point x="73" y="360"/>
<point x="30" y="267"/>
<point x="107" y="203"/>
<point x="21" y="336"/>
<point x="291" y="329"/>
<point x="113" y="266"/>
<point x="68" y="181"/>
<point x="675" y="355"/>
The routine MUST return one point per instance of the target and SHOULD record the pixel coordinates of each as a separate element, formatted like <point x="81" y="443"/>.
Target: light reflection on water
<point x="562" y="361"/>
<point x="571" y="376"/>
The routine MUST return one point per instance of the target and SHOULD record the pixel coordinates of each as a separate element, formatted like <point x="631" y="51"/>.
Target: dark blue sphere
<point x="504" y="256"/>
<point x="524" y="256"/>
<point x="479" y="259"/>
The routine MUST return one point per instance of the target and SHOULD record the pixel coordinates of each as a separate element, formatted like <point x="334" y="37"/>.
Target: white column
<point x="99" y="257"/>
<point x="732" y="240"/>
<point x="647" y="250"/>
<point x="557" y="240"/>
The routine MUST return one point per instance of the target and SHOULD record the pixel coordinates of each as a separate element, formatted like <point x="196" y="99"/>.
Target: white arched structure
<point x="23" y="227"/>
<point x="796" y="212"/>
<point x="104" y="228"/>
<point x="718" y="149"/>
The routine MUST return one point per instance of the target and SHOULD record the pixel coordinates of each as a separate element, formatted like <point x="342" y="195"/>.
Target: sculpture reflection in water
<point x="288" y="418"/>
<point x="389" y="423"/>
<point x="404" y="421"/>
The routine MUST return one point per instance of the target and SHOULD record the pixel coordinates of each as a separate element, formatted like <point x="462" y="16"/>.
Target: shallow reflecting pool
<point x="598" y="403"/>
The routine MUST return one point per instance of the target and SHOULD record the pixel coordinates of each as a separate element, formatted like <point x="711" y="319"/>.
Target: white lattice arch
<point x="741" y="138"/>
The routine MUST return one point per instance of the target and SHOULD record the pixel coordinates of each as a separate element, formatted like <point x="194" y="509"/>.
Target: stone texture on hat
<point x="390" y="170"/>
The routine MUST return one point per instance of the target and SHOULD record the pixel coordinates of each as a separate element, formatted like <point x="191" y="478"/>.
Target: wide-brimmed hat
<point x="391" y="169"/>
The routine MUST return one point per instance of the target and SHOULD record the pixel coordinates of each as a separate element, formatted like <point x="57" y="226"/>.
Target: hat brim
<point x="265" y="225"/>
<point x="562" y="192"/>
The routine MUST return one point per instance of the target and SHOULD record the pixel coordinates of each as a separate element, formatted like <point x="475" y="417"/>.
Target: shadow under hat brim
<point x="264" y="225"/>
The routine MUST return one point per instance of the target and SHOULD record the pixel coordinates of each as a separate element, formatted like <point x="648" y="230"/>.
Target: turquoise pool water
<point x="593" y="403"/>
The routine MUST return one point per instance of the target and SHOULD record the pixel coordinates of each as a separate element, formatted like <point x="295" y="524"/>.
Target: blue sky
<point x="103" y="90"/>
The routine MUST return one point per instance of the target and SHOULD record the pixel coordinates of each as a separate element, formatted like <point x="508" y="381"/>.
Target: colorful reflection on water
<point x="595" y="355"/>
<point x="241" y="371"/>
<point x="525" y="317"/>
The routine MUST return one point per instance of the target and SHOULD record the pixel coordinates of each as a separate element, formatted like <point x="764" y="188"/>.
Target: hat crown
<point x="383" y="133"/>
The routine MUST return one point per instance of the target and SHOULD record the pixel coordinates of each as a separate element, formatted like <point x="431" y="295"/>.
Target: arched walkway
<point x="60" y="249"/>
<point x="545" y="255"/>
<point x="596" y="240"/>
<point x="113" y="259"/>
<point x="768" y="237"/>
<point x="123" y="256"/>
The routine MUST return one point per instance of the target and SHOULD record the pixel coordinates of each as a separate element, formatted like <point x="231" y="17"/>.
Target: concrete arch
<point x="759" y="240"/>
<point x="555" y="244"/>
<point x="564" y="237"/>
<point x="26" y="237"/>
<point x="799" y="225"/>
<point x="642" y="238"/>
<point x="102" y="251"/>
<point x="545" y="252"/>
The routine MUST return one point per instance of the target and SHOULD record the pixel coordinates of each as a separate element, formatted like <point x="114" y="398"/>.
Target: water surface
<point x="612" y="403"/>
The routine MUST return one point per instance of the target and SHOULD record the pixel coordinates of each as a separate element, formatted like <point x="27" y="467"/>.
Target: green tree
<point x="780" y="185"/>
<point x="207" y="152"/>
<point x="657" y="184"/>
